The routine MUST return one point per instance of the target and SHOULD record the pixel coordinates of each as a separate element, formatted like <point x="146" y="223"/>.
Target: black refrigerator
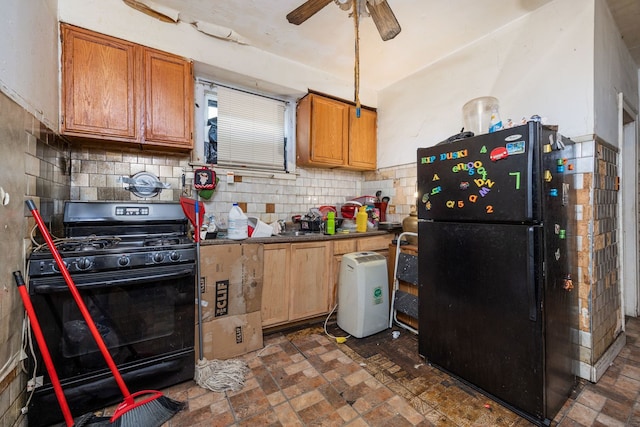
<point x="496" y="250"/>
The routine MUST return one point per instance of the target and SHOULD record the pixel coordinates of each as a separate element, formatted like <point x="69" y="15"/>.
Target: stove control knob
<point x="158" y="257"/>
<point x="123" y="261"/>
<point x="83" y="263"/>
<point x="54" y="266"/>
<point x="174" y="256"/>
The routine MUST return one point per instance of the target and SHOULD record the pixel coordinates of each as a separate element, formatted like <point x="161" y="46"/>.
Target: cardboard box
<point x="231" y="280"/>
<point x="231" y="286"/>
<point x="231" y="336"/>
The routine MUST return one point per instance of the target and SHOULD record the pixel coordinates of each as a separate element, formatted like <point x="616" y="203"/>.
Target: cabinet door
<point x="168" y="99"/>
<point x="322" y="131"/>
<point x="99" y="78"/>
<point x="362" y="139"/>
<point x="375" y="243"/>
<point x="309" y="281"/>
<point x="275" y="285"/>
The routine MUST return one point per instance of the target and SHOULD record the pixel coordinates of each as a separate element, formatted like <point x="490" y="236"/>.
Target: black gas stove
<point x="104" y="236"/>
<point x="134" y="266"/>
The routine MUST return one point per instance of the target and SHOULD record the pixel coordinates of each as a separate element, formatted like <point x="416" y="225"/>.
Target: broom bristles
<point x="153" y="413"/>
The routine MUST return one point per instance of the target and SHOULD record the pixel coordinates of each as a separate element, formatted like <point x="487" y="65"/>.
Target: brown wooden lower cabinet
<point x="309" y="281"/>
<point x="275" y="284"/>
<point x="295" y="282"/>
<point x="301" y="279"/>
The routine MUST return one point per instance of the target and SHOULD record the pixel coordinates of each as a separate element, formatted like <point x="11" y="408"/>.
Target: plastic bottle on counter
<point x="361" y="219"/>
<point x="331" y="223"/>
<point x="495" y="124"/>
<point x="237" y="228"/>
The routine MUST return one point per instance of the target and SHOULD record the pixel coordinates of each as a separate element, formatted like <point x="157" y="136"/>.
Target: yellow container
<point x="361" y="220"/>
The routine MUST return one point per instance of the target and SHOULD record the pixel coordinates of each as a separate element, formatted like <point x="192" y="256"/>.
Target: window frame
<point x="203" y="87"/>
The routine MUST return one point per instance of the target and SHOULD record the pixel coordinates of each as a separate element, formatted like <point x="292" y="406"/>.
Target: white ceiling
<point x="431" y="29"/>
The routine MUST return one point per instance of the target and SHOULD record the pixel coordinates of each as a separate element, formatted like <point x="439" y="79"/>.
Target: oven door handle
<point x="103" y="280"/>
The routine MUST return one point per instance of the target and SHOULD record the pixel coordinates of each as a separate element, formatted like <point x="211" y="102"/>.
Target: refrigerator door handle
<point x="531" y="281"/>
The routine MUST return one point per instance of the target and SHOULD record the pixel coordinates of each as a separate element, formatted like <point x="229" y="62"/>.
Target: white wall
<point x="230" y="61"/>
<point x="615" y="72"/>
<point x="540" y="64"/>
<point x="29" y="56"/>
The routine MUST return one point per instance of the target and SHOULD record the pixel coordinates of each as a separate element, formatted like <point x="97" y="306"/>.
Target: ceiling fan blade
<point x="306" y="10"/>
<point x="385" y="20"/>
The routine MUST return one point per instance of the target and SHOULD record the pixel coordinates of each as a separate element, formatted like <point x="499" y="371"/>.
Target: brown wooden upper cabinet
<point x="330" y="135"/>
<point x="116" y="90"/>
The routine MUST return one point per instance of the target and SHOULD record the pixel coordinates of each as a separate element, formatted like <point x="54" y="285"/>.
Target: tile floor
<point x="304" y="378"/>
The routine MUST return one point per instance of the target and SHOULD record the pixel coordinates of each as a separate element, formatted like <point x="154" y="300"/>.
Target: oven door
<point x="146" y="318"/>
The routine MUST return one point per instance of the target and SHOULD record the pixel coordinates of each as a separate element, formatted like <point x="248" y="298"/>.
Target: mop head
<point x="221" y="375"/>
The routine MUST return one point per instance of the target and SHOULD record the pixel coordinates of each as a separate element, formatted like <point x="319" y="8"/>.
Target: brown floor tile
<point x="317" y="412"/>
<point x="248" y="404"/>
<point x="606" y="421"/>
<point x="592" y="400"/>
<point x="347" y="413"/>
<point x="582" y="414"/>
<point x="267" y="418"/>
<point x="304" y="378"/>
<point x="617" y="410"/>
<point x="286" y="415"/>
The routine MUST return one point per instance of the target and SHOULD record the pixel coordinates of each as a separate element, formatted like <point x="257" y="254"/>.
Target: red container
<point x="350" y="209"/>
<point x="383" y="210"/>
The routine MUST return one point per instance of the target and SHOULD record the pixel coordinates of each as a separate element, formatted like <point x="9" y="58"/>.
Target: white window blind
<point x="250" y="130"/>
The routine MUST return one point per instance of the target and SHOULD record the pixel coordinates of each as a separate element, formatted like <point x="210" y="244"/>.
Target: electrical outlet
<point x="391" y="209"/>
<point x="34" y="383"/>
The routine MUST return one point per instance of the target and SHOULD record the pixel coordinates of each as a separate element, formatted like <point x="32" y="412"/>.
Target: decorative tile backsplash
<point x="97" y="173"/>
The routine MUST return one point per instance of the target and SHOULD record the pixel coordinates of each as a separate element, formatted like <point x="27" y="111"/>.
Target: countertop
<point x="292" y="239"/>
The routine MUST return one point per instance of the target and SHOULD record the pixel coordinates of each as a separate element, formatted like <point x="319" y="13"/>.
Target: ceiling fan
<point x="379" y="10"/>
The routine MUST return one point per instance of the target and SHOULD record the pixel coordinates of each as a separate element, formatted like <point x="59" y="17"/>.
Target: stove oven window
<point x="132" y="320"/>
<point x="138" y="322"/>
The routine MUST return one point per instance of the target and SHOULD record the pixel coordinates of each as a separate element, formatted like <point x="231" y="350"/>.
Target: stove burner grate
<point x="89" y="243"/>
<point x="161" y="241"/>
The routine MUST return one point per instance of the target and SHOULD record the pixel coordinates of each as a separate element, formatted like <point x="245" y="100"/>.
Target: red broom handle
<point x="81" y="305"/>
<point x="42" y="345"/>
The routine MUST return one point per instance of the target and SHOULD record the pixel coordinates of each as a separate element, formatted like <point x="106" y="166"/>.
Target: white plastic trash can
<point x="363" y="294"/>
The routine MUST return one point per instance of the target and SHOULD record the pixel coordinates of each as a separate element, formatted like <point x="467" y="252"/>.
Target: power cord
<point x="339" y="340"/>
<point x="27" y="345"/>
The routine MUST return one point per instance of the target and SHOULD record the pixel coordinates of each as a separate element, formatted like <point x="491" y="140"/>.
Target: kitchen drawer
<point x="375" y="243"/>
<point x="341" y="247"/>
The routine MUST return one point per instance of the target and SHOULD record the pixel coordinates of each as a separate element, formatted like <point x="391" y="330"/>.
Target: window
<point x="241" y="129"/>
